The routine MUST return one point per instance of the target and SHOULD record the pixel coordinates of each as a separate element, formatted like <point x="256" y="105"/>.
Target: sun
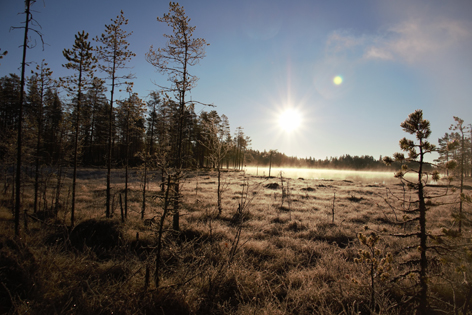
<point x="290" y="120"/>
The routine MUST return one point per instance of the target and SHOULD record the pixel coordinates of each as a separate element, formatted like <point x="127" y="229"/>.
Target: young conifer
<point x="81" y="60"/>
<point x="418" y="209"/>
<point x="461" y="144"/>
<point x="180" y="53"/>
<point x="114" y="54"/>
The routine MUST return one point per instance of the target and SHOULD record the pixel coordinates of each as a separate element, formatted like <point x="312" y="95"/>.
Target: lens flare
<point x="338" y="80"/>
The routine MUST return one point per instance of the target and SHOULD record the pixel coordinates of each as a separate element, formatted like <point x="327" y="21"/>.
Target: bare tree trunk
<point x="76" y="151"/>
<point x="143" y="209"/>
<point x="220" y="209"/>
<point x="38" y="142"/>
<point x="20" y="125"/>
<point x="122" y="213"/>
<point x="110" y="136"/>
<point x="127" y="162"/>
<point x="462" y="181"/>
<point x="161" y="230"/>
<point x="175" y="224"/>
<point x="163" y="181"/>
<point x="58" y="192"/>
<point x="422" y="308"/>
<point x="36" y="177"/>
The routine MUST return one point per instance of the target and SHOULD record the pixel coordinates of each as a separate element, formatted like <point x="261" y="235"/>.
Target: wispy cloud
<point x="378" y="53"/>
<point x="341" y="41"/>
<point x="410" y="41"/>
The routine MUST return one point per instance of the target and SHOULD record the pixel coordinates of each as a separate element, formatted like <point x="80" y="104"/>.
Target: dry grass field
<point x="272" y="251"/>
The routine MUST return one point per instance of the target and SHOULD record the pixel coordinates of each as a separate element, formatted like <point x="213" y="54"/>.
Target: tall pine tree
<point x="113" y="53"/>
<point x="81" y="60"/>
<point x="180" y="53"/>
<point x="29" y="18"/>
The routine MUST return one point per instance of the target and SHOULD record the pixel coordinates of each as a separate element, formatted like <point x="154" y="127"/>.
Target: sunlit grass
<point x="291" y="257"/>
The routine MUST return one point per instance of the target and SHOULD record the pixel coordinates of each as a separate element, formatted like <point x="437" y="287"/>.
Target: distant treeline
<point x="347" y="162"/>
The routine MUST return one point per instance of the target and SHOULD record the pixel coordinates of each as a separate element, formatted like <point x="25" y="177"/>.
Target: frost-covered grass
<point x="290" y="257"/>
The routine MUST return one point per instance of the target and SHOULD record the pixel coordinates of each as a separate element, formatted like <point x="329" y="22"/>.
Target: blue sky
<point x="264" y="56"/>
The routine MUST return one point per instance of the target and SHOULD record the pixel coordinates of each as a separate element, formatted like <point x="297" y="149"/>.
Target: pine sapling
<point x="379" y="265"/>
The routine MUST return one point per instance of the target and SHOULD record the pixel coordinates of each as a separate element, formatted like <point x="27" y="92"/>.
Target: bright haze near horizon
<point x="347" y="72"/>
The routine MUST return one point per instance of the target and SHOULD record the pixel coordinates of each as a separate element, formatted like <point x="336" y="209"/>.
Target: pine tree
<point x="81" y="60"/>
<point x="165" y="134"/>
<point x="206" y="132"/>
<point x="153" y="105"/>
<point x="114" y="55"/>
<point x="461" y="137"/>
<point x="29" y="18"/>
<point x="416" y="125"/>
<point x="443" y="150"/>
<point x="241" y="144"/>
<point x="55" y="145"/>
<point x="95" y="126"/>
<point x="53" y="126"/>
<point x="215" y="132"/>
<point x="44" y="81"/>
<point x="148" y="152"/>
<point x="130" y="113"/>
<point x="181" y="52"/>
<point x="9" y="94"/>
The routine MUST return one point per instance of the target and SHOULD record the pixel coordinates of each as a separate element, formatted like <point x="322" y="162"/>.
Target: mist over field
<point x="332" y="174"/>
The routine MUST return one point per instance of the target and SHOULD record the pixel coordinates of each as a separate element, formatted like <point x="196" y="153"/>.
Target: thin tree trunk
<point x="110" y="136"/>
<point x="422" y="307"/>
<point x="220" y="209"/>
<point x="38" y="146"/>
<point x="36" y="177"/>
<point x="159" y="237"/>
<point x="59" y="180"/>
<point x="58" y="192"/>
<point x="462" y="181"/>
<point x="76" y="149"/>
<point x="163" y="182"/>
<point x="175" y="222"/>
<point x="20" y="126"/>
<point x="176" y="217"/>
<point x="127" y="162"/>
<point x="143" y="209"/>
<point x="121" y="207"/>
<point x="372" y="293"/>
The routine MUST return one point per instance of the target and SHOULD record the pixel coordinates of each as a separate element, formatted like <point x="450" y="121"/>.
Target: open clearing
<point x="290" y="249"/>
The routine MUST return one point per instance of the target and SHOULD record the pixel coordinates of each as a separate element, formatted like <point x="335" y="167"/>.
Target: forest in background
<point x="139" y="126"/>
